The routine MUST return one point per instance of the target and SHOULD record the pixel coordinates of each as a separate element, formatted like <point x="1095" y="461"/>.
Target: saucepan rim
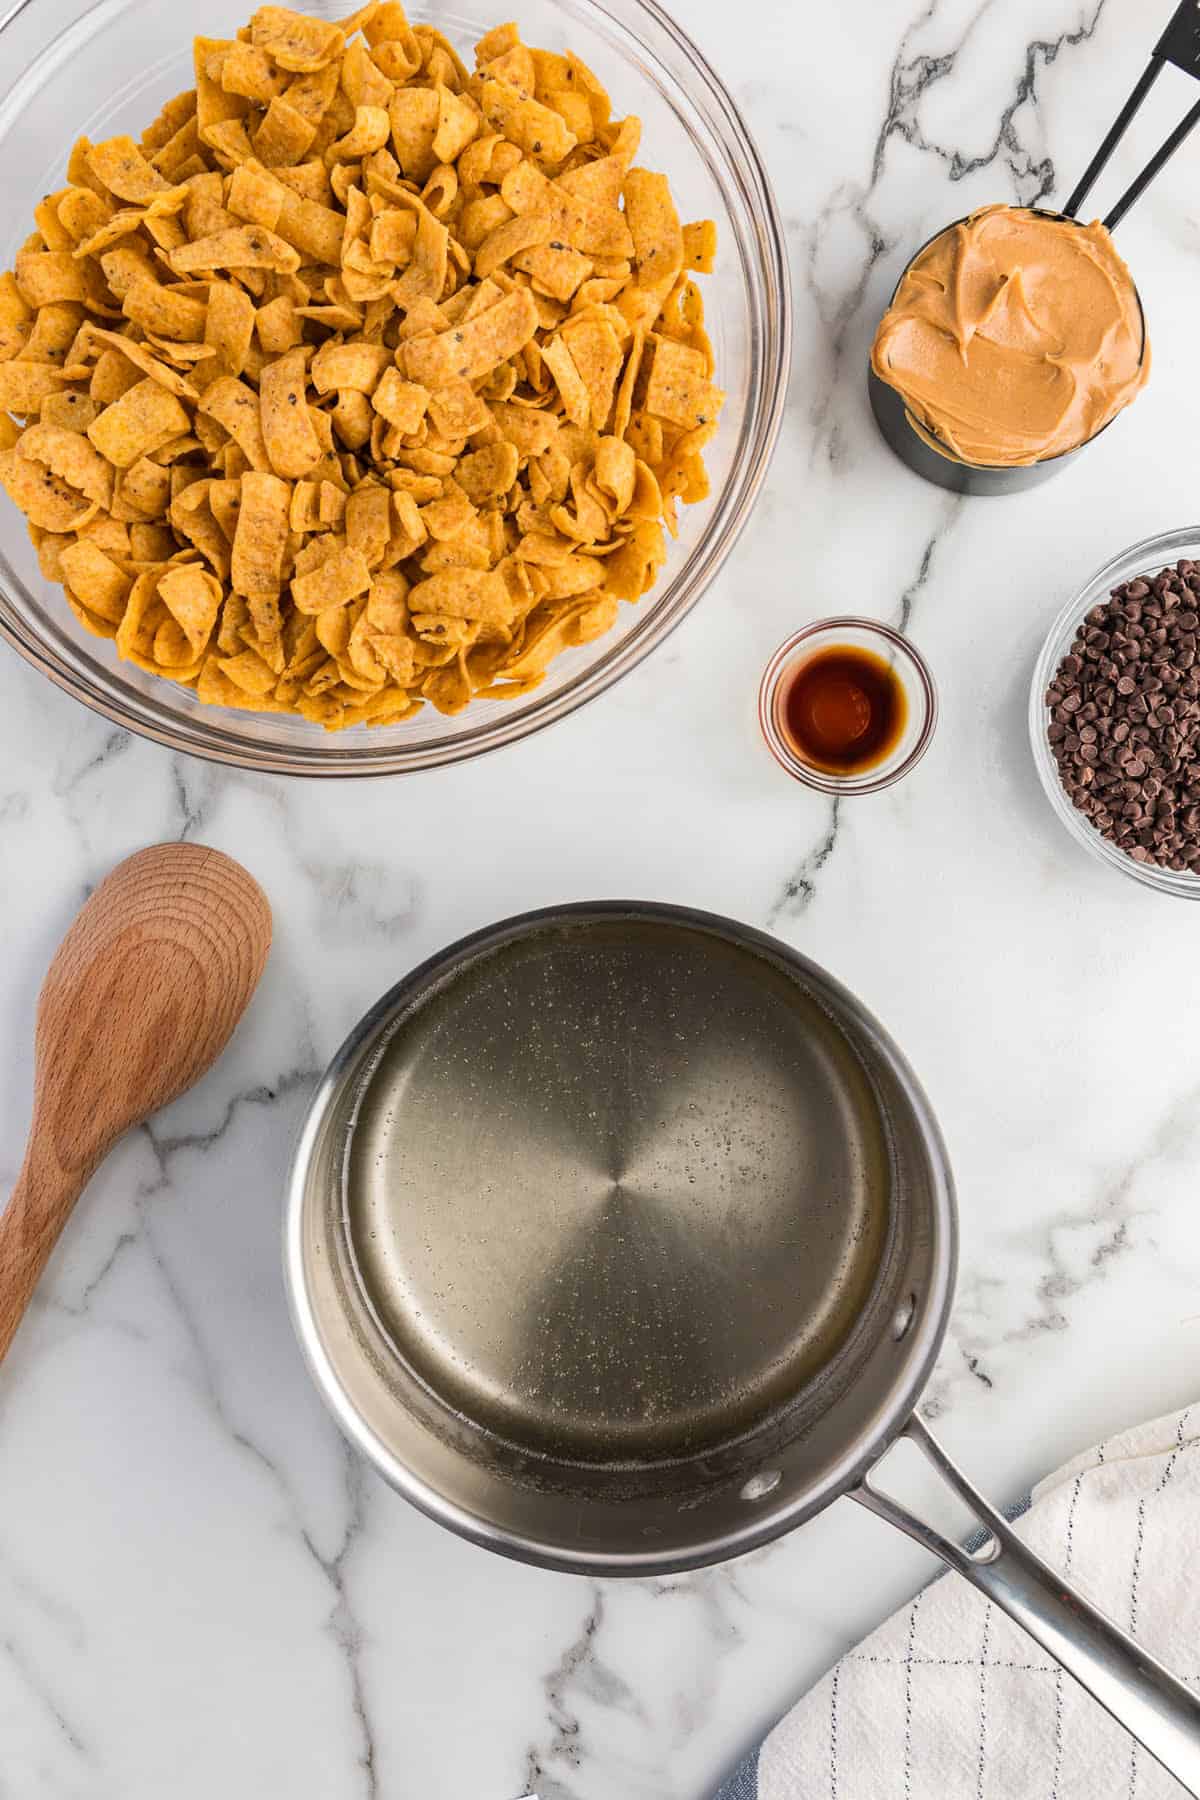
<point x="916" y="1354"/>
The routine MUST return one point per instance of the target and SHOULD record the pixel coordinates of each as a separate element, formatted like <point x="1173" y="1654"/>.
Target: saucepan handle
<point x="1136" y="1689"/>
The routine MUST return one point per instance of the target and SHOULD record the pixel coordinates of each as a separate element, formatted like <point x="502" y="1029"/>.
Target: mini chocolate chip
<point x="1124" y="718"/>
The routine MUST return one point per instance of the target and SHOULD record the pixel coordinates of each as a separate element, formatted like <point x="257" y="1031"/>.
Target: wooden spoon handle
<point x="30" y="1225"/>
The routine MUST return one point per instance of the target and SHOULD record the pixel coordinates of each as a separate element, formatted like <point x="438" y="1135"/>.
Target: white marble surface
<point x="201" y="1592"/>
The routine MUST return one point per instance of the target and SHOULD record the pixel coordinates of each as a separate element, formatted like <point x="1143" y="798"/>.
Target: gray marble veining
<point x="201" y="1591"/>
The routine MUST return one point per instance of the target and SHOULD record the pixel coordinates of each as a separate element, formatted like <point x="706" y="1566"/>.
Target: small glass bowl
<point x="1145" y="559"/>
<point x="903" y="659"/>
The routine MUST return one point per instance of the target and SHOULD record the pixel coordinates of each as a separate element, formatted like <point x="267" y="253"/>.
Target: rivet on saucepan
<point x="762" y="1484"/>
<point x="905" y="1313"/>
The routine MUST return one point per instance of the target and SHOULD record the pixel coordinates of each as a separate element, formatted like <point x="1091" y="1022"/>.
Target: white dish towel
<point x="949" y="1701"/>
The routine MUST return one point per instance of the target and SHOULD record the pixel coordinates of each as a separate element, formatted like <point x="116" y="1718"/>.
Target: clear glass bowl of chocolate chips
<point x="1114" y="714"/>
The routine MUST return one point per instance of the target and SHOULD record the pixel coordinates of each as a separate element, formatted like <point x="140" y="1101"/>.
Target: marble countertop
<point x="201" y="1590"/>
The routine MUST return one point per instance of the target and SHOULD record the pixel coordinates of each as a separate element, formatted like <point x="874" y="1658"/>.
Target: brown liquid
<point x="843" y="711"/>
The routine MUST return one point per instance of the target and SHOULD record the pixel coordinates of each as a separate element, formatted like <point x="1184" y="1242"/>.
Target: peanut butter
<point x="1013" y="337"/>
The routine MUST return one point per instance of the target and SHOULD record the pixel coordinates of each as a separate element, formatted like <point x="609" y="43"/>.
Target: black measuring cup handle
<point x="1180" y="45"/>
<point x="1139" y="1692"/>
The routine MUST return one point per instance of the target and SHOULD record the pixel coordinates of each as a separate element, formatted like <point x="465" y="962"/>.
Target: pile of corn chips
<point x="362" y="380"/>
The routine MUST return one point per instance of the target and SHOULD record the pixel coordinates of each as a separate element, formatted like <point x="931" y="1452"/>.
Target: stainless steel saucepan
<point x="621" y="1239"/>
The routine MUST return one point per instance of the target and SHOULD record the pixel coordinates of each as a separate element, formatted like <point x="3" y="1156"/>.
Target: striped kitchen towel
<point x="949" y="1701"/>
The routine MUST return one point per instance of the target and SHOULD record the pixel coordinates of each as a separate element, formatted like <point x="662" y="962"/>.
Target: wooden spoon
<point x="140" y="1000"/>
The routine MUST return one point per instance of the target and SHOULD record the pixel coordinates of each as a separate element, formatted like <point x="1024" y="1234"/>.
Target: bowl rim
<point x="1123" y="567"/>
<point x="152" y="717"/>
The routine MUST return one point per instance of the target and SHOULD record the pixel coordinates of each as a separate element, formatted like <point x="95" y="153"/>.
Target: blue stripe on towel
<point x="743" y="1783"/>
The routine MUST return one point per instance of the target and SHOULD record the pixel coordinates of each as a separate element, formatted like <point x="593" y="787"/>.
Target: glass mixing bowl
<point x="111" y="70"/>
<point x="1147" y="559"/>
